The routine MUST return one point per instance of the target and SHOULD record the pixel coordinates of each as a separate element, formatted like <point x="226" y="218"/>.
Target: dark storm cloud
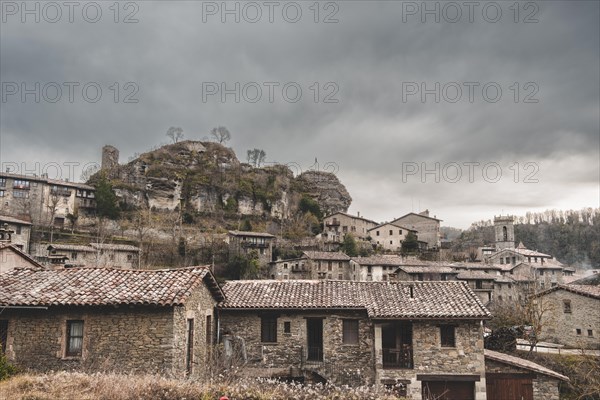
<point x="371" y="133"/>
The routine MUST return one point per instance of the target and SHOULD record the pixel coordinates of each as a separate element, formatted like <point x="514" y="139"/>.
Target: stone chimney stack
<point x="110" y="157"/>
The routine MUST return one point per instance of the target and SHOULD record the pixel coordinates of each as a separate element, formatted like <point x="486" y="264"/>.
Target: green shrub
<point x="6" y="368"/>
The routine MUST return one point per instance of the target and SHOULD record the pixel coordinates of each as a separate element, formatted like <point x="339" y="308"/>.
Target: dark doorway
<point x="314" y="333"/>
<point x="3" y="335"/>
<point x="396" y="342"/>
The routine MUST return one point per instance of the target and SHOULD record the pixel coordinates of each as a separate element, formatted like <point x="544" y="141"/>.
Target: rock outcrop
<point x="206" y="177"/>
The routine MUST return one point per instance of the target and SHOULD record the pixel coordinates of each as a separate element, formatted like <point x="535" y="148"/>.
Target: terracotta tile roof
<point x="326" y="255"/>
<point x="378" y="260"/>
<point x="103" y="286"/>
<point x="253" y="234"/>
<point x="351" y="216"/>
<point x="411" y="269"/>
<point x="432" y="300"/>
<point x="584" y="290"/>
<point x="473" y="275"/>
<point x="521" y="363"/>
<point x="110" y="246"/>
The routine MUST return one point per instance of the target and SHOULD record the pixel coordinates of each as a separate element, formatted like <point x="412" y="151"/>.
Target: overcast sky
<point x="467" y="109"/>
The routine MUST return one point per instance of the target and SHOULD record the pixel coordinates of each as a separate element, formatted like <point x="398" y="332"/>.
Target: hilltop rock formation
<point x="205" y="177"/>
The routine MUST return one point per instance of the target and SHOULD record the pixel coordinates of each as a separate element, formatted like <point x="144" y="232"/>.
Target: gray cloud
<point x="370" y="55"/>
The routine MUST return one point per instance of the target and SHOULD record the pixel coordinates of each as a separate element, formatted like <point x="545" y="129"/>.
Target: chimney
<point x="358" y="214"/>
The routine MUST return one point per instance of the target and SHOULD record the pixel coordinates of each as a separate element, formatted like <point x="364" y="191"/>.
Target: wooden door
<point x="509" y="386"/>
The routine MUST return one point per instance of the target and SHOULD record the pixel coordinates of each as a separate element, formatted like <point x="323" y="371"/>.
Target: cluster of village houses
<point x="414" y="326"/>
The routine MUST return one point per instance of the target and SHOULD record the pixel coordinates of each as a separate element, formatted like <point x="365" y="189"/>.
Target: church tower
<point x="505" y="232"/>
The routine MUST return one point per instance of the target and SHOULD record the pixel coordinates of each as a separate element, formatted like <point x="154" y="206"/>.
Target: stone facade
<point x="428" y="228"/>
<point x="133" y="339"/>
<point x="351" y="364"/>
<point x="430" y="358"/>
<point x="504" y="231"/>
<point x="21" y="231"/>
<point x="389" y="236"/>
<point x="44" y="201"/>
<point x="576" y="324"/>
<point x="339" y="224"/>
<point x="243" y="243"/>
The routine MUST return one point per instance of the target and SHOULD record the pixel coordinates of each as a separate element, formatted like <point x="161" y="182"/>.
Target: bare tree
<point x="221" y="134"/>
<point x="176" y="134"/>
<point x="256" y="157"/>
<point x="88" y="172"/>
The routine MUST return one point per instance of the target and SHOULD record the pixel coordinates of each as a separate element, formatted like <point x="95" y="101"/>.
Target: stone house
<point x="12" y="257"/>
<point x="94" y="255"/>
<point x="426" y="273"/>
<point x="21" y="231"/>
<point x="572" y="315"/>
<point x="424" y="337"/>
<point x="313" y="265"/>
<point x="339" y="224"/>
<point x="427" y="227"/>
<point x="243" y="243"/>
<point x="94" y="319"/>
<point x="480" y="282"/>
<point x="44" y="200"/>
<point x="510" y="377"/>
<point x="375" y="268"/>
<point x="389" y="235"/>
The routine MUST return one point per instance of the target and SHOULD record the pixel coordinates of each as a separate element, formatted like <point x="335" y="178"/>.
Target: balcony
<point x="60" y="192"/>
<point x="332" y="223"/>
<point x="254" y="245"/>
<point x="398" y="358"/>
<point x="483" y="286"/>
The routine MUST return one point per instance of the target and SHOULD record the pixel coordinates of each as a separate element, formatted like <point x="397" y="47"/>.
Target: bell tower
<point x="505" y="232"/>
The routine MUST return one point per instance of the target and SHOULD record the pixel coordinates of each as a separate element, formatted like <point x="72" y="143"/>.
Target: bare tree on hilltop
<point x="176" y="134"/>
<point x="221" y="134"/>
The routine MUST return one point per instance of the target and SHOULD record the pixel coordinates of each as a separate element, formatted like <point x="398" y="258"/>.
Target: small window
<point x="287" y="327"/>
<point x="74" y="338"/>
<point x="400" y="232"/>
<point x="376" y="233"/>
<point x="590" y="333"/>
<point x="578" y="331"/>
<point x="2" y="193"/>
<point x="350" y="331"/>
<point x="447" y="335"/>
<point x="340" y="277"/>
<point x="391" y="232"/>
<point x="329" y="266"/>
<point x="286" y="277"/>
<point x="18" y="229"/>
<point x="285" y="266"/>
<point x="268" y="329"/>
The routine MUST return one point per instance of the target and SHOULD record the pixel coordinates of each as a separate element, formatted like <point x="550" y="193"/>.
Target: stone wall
<point x="198" y="307"/>
<point x="561" y="327"/>
<point x="138" y="339"/>
<point x="429" y="357"/>
<point x="342" y="363"/>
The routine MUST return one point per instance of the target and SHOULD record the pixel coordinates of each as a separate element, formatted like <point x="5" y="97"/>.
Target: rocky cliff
<point x="205" y="177"/>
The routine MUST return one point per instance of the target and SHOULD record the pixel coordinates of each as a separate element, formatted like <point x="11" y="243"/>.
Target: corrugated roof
<point x="431" y="300"/>
<point x="102" y="286"/>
